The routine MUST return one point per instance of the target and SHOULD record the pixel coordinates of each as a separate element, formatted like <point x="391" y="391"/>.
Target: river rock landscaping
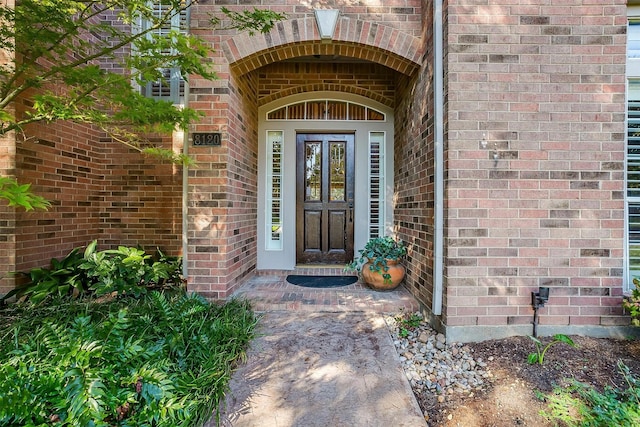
<point x="491" y="383"/>
<point x="433" y="366"/>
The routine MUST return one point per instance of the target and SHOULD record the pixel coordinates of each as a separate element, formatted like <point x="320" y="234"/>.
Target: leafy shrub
<point x="156" y="360"/>
<point x="582" y="405"/>
<point x="632" y="303"/>
<point x="121" y="271"/>
<point x="126" y="270"/>
<point x="64" y="277"/>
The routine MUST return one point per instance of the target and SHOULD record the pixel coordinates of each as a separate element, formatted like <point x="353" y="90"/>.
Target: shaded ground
<point x="320" y="370"/>
<point x="509" y="398"/>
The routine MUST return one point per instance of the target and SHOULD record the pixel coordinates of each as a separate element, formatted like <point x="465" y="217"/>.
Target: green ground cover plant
<point x="408" y="323"/>
<point x="163" y="359"/>
<point x="581" y="405"/>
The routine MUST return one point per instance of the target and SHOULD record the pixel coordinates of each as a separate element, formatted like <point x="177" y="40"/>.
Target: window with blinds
<point x="376" y="184"/>
<point x="274" y="190"/>
<point x="326" y="109"/>
<point x="632" y="196"/>
<point x="633" y="178"/>
<point x="171" y="87"/>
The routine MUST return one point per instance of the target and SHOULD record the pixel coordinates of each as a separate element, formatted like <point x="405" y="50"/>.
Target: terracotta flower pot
<point x="376" y="280"/>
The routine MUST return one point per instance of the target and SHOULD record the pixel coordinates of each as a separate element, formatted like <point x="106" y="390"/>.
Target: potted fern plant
<point x="379" y="264"/>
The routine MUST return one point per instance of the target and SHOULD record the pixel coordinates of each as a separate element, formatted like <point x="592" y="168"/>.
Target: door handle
<point x="350" y="210"/>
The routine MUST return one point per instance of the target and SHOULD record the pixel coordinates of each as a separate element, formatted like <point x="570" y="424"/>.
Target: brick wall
<point x="222" y="206"/>
<point x="142" y="198"/>
<point x="283" y="78"/>
<point x="401" y="14"/>
<point x="542" y="204"/>
<point x="243" y="180"/>
<point x="62" y="164"/>
<point x="414" y="169"/>
<point x="99" y="189"/>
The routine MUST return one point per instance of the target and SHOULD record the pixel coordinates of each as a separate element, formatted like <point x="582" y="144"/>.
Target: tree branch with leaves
<point x="59" y="49"/>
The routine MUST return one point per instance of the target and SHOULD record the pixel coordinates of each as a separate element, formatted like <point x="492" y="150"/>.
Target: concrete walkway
<point x="316" y="366"/>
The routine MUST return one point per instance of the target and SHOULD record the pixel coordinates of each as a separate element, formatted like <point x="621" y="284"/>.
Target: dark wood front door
<point x="324" y="198"/>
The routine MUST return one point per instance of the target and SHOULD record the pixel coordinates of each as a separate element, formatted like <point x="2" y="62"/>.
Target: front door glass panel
<point x="337" y="172"/>
<point x="313" y="171"/>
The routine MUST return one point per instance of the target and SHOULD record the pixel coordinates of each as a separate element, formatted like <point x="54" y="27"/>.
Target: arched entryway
<point x="325" y="178"/>
<point x="231" y="234"/>
<point x="304" y="215"/>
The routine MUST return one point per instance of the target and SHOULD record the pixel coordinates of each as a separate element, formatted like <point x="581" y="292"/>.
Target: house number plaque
<point x="202" y="139"/>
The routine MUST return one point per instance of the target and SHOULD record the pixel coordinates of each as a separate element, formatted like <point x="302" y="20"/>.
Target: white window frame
<point x="633" y="74"/>
<point x="177" y="83"/>
<point x="274" y="237"/>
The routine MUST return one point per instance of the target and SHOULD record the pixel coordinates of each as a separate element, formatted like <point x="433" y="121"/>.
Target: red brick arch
<point x="353" y="38"/>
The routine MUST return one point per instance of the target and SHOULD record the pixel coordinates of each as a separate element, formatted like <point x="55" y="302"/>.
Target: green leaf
<point x="532" y="358"/>
<point x="565" y="339"/>
<point x="252" y="20"/>
<point x="91" y="249"/>
<point x="169" y="155"/>
<point x="21" y="195"/>
<point x="535" y="340"/>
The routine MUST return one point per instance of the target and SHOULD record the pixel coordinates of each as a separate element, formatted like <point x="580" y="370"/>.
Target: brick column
<point x="542" y="202"/>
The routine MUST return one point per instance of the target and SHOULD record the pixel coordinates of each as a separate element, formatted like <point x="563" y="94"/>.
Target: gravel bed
<point x="430" y="364"/>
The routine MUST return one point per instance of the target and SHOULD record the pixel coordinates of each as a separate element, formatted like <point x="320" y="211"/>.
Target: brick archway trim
<point x="328" y="87"/>
<point x="353" y="38"/>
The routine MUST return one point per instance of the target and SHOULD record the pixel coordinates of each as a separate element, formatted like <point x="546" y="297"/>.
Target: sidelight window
<point x="274" y="190"/>
<point x="632" y="196"/>
<point x="376" y="184"/>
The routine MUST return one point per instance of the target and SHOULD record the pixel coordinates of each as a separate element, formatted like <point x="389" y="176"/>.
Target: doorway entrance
<point x="324" y="198"/>
<point x="325" y="181"/>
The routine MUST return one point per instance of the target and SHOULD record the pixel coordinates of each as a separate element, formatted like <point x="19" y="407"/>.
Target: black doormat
<point x="321" y="281"/>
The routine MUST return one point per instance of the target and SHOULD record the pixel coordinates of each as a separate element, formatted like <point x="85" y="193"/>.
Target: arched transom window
<point x="326" y="109"/>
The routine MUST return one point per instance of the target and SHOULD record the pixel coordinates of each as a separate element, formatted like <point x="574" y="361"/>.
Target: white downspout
<point x="438" y="85"/>
<point x="185" y="202"/>
<point x="185" y="175"/>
